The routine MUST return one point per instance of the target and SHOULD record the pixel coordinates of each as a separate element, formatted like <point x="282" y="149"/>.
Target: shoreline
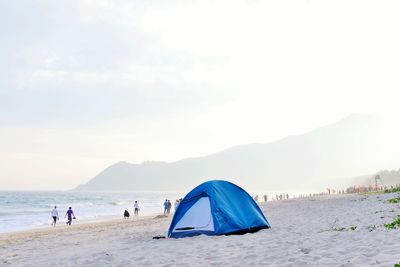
<point x="21" y="211"/>
<point x="107" y="220"/>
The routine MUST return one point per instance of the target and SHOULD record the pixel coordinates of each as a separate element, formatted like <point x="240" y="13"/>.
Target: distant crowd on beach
<point x="276" y="197"/>
<point x="329" y="191"/>
<point x="365" y="189"/>
<point x="286" y="196"/>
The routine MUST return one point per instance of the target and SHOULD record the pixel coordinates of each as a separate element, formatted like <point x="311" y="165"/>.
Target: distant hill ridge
<point x="310" y="161"/>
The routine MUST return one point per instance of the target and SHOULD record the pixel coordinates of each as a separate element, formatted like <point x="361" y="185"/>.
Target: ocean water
<point x="23" y="210"/>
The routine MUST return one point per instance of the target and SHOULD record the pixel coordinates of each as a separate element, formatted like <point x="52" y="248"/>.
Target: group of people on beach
<point x="136" y="210"/>
<point x="364" y="189"/>
<point x="70" y="214"/>
<point x="329" y="191"/>
<point x="281" y="196"/>
<point x="167" y="205"/>
<point x="277" y="197"/>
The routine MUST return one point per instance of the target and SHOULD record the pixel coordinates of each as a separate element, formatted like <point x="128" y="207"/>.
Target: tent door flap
<point x="198" y="217"/>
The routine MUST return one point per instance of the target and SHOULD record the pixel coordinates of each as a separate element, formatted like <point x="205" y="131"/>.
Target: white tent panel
<point x="198" y="217"/>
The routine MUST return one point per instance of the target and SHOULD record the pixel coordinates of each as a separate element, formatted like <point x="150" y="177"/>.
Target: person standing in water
<point x="70" y="214"/>
<point x="54" y="214"/>
<point x="169" y="205"/>
<point x="165" y="206"/>
<point x="136" y="206"/>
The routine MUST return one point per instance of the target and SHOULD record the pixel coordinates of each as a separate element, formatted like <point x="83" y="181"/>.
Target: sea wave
<point x="26" y="210"/>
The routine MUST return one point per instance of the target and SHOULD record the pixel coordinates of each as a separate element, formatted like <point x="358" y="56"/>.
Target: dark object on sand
<point x="158" y="237"/>
<point x="126" y="214"/>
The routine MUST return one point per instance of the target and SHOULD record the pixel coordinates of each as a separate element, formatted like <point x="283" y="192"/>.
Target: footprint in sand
<point x="305" y="250"/>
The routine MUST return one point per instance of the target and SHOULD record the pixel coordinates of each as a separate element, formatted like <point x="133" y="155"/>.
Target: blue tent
<point x="217" y="208"/>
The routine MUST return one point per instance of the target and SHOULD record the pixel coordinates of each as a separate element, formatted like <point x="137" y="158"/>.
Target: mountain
<point x="326" y="157"/>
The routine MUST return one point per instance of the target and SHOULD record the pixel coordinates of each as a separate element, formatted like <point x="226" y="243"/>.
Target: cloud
<point x="90" y="60"/>
<point x="76" y="60"/>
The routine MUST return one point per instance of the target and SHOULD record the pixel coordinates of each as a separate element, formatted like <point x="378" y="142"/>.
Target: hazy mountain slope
<point x="311" y="161"/>
<point x="388" y="178"/>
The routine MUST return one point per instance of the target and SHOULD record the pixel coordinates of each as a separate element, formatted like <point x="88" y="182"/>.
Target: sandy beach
<point x="340" y="230"/>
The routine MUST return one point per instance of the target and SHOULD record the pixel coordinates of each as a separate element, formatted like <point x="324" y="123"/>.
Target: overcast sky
<point x="84" y="84"/>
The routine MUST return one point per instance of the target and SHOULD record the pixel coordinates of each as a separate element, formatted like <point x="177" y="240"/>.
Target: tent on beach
<point x="217" y="208"/>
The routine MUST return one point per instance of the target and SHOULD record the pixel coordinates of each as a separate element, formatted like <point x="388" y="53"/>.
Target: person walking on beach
<point x="165" y="206"/>
<point x="70" y="214"/>
<point x="136" y="206"/>
<point x="54" y="214"/>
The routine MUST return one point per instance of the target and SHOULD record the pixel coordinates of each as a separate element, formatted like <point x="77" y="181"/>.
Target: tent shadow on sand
<point x="217" y="207"/>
